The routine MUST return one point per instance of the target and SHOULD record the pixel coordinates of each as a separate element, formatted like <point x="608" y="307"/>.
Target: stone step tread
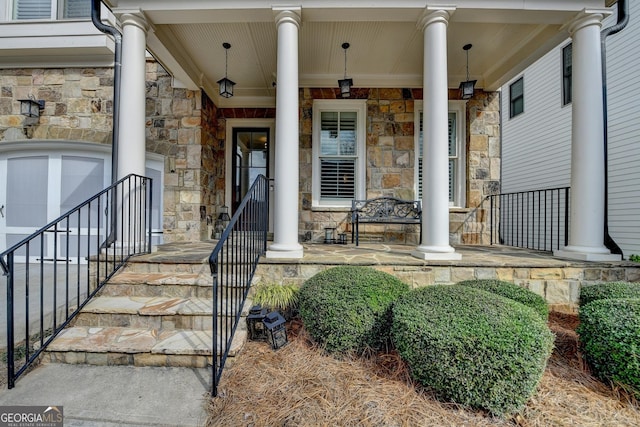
<point x="136" y="340"/>
<point x="150" y="306"/>
<point x="173" y="278"/>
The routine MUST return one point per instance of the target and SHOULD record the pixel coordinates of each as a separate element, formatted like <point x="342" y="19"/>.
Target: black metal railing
<point x="233" y="263"/>
<point x="536" y="219"/>
<point x="55" y="271"/>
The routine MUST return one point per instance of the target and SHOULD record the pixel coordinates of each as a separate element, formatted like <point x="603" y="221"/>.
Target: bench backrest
<point x="386" y="209"/>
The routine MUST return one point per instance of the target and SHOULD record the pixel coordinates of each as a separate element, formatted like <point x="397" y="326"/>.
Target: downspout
<point x="117" y="70"/>
<point x="623" y="20"/>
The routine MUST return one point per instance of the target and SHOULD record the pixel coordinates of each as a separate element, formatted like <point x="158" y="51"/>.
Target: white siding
<point x="536" y="146"/>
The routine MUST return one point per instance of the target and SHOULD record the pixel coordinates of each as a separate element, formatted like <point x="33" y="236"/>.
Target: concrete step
<point x="153" y="312"/>
<point x="137" y="346"/>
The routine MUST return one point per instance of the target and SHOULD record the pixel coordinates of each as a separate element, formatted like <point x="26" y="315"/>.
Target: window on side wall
<point x="338" y="152"/>
<point x="457" y="136"/>
<point x="566" y="74"/>
<point x="49" y="9"/>
<point x="516" y="97"/>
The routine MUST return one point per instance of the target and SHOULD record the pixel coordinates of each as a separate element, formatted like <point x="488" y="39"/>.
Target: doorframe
<point x="232" y="124"/>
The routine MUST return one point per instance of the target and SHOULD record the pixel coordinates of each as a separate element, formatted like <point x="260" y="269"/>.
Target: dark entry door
<point x="250" y="159"/>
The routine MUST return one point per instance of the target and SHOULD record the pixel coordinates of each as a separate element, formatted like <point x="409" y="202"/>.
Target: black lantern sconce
<point x="31" y="108"/>
<point x="346" y="83"/>
<point x="467" y="87"/>
<point x="226" y="85"/>
<point x="222" y="221"/>
<point x="274" y="324"/>
<point x="255" y="325"/>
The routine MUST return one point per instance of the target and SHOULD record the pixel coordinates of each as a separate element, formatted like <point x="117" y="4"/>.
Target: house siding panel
<point x="536" y="146"/>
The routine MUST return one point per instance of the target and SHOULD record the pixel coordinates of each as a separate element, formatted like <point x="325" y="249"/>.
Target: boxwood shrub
<point x="348" y="308"/>
<point x="609" y="333"/>
<point x="512" y="291"/>
<point x="609" y="290"/>
<point x="472" y="347"/>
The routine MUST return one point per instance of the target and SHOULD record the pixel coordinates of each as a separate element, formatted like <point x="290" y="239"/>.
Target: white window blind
<point x="33" y="9"/>
<point x="77" y="9"/>
<point x="338" y="154"/>
<point x="453" y="157"/>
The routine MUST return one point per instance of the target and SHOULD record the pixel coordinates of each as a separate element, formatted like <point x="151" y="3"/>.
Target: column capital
<point x="287" y="14"/>
<point x="134" y="17"/>
<point x="586" y="18"/>
<point x="433" y="14"/>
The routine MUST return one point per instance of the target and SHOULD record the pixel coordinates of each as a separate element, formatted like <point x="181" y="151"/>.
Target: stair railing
<point x="53" y="273"/>
<point x="233" y="263"/>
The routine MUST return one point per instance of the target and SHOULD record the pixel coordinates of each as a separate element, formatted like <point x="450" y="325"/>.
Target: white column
<point x="131" y="138"/>
<point x="286" y="188"/>
<point x="586" y="229"/>
<point x="435" y="159"/>
<point x="131" y="135"/>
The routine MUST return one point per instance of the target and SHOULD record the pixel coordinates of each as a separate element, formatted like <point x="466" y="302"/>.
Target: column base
<point x="283" y="251"/>
<point x="581" y="253"/>
<point x="443" y="253"/>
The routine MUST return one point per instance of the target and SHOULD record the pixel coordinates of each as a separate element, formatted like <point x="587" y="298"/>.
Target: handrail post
<point x="10" y="325"/>
<point x="566" y="216"/>
<point x="214" y="351"/>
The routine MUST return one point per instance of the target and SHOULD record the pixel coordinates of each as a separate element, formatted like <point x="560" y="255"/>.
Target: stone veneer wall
<point x="79" y="107"/>
<point x="390" y="162"/>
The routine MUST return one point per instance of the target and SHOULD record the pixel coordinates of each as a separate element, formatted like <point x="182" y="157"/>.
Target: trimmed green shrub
<point x="348" y="308"/>
<point x="609" y="290"/>
<point x="472" y="347"/>
<point x="511" y="291"/>
<point x="609" y="333"/>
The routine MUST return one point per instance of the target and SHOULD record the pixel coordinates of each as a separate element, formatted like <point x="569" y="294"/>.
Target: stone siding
<point x="560" y="286"/>
<point x="390" y="156"/>
<point x="79" y="107"/>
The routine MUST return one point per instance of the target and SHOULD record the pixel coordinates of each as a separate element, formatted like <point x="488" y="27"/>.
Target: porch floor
<point x="386" y="254"/>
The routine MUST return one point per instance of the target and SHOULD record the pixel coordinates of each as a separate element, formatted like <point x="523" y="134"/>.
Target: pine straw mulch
<point x="298" y="385"/>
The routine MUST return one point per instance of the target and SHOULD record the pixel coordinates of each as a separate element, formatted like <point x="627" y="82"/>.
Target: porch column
<point x="131" y="138"/>
<point x="435" y="161"/>
<point x="586" y="230"/>
<point x="285" y="224"/>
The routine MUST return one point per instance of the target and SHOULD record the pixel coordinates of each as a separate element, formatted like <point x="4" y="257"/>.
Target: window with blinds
<point x="46" y="9"/>
<point x="74" y="9"/>
<point x="339" y="152"/>
<point x="338" y="155"/>
<point x="32" y="9"/>
<point x="453" y="157"/>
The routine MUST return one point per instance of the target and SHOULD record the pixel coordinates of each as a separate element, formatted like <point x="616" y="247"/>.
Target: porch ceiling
<point x="386" y="43"/>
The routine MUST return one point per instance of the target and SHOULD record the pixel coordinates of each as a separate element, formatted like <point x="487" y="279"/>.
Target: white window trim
<point x="360" y="107"/>
<point x="459" y="107"/>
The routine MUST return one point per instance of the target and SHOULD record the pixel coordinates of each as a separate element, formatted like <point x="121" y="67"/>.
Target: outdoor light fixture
<point x="255" y="327"/>
<point x="274" y="323"/>
<point x="222" y="221"/>
<point x="329" y="235"/>
<point x="30" y="107"/>
<point x="226" y="85"/>
<point x="346" y="83"/>
<point x="467" y="87"/>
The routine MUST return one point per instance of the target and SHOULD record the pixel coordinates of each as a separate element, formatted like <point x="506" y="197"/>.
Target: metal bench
<point x="384" y="210"/>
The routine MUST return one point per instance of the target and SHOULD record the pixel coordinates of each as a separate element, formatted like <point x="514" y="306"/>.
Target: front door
<point x="250" y="159"/>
